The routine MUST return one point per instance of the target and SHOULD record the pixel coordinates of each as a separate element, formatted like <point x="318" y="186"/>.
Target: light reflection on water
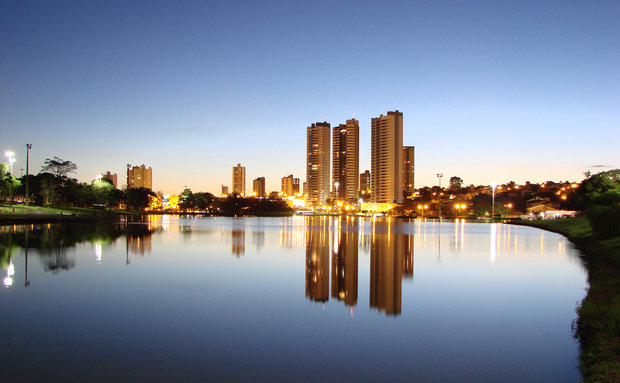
<point x="463" y="295"/>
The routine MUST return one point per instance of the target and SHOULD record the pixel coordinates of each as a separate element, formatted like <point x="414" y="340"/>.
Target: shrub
<point x="605" y="220"/>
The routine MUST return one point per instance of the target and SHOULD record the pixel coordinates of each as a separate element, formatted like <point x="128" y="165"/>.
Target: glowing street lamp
<point x="28" y="147"/>
<point x="459" y="206"/>
<point x="439" y="175"/>
<point x="10" y="158"/>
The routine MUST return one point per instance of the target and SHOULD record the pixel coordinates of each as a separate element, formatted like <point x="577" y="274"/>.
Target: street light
<point x="459" y="206"/>
<point x="127" y="201"/>
<point x="493" y="186"/>
<point x="28" y="147"/>
<point x="10" y="158"/>
<point x="439" y="175"/>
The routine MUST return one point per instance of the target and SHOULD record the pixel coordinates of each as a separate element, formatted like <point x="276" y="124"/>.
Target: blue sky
<point x="490" y="91"/>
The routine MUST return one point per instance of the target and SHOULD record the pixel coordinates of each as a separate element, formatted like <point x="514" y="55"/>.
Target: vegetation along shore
<point x="597" y="234"/>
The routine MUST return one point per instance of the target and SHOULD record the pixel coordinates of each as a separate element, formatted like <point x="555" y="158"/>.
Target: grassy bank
<point x="598" y="323"/>
<point x="17" y="214"/>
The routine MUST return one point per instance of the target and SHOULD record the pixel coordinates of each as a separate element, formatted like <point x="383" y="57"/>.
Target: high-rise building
<point x="296" y="189"/>
<point x="139" y="177"/>
<point x="365" y="181"/>
<point x="408" y="169"/>
<point x="112" y="177"/>
<point x="317" y="164"/>
<point x="287" y="185"/>
<point x="290" y="185"/>
<point x="238" y="180"/>
<point x="258" y="187"/>
<point x="224" y="190"/>
<point x="386" y="158"/>
<point x="345" y="160"/>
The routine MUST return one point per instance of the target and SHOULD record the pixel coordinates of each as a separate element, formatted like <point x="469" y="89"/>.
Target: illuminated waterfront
<point x="299" y="298"/>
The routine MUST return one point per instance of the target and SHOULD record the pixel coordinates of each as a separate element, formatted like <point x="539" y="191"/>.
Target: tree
<point x="139" y="198"/>
<point x="186" y="199"/>
<point x="599" y="197"/>
<point x="58" y="167"/>
<point x="600" y="189"/>
<point x="4" y="177"/>
<point x="202" y="200"/>
<point x="455" y="183"/>
<point x="8" y="183"/>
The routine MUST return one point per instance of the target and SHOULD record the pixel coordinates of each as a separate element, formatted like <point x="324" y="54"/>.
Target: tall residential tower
<point x="408" y="169"/>
<point x="317" y="162"/>
<point x="258" y="187"/>
<point x="238" y="180"/>
<point x="139" y="177"/>
<point x="345" y="160"/>
<point x="386" y="158"/>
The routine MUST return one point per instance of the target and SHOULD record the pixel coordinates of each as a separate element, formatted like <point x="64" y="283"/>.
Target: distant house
<point x="546" y="211"/>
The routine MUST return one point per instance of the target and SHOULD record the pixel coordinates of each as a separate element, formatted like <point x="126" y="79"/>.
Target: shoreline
<point x="598" y="316"/>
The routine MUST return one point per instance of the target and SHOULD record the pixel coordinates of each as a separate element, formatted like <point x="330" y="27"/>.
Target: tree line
<point x="54" y="186"/>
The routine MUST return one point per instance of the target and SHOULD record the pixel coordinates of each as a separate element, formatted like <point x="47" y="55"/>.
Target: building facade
<point x="258" y="187"/>
<point x="224" y="190"/>
<point x="317" y="163"/>
<point x="386" y="158"/>
<point x="365" y="181"/>
<point x="112" y="177"/>
<point x="408" y="169"/>
<point x="345" y="160"/>
<point x="290" y="185"/>
<point x="139" y="177"/>
<point x="238" y="180"/>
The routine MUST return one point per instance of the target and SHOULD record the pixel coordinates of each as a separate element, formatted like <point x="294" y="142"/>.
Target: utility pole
<point x="439" y="175"/>
<point x="28" y="147"/>
<point x="127" y="202"/>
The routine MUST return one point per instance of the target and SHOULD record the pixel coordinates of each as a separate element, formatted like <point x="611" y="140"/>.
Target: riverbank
<point x="598" y="322"/>
<point x="20" y="214"/>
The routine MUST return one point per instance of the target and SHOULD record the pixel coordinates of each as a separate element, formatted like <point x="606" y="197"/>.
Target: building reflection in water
<point x="258" y="239"/>
<point x="317" y="259"/>
<point x="391" y="255"/>
<point x="391" y="260"/>
<point x="408" y="251"/>
<point x="238" y="237"/>
<point x="140" y="243"/>
<point x="344" y="261"/>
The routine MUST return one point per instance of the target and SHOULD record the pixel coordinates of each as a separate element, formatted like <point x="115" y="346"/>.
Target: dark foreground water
<point x="288" y="299"/>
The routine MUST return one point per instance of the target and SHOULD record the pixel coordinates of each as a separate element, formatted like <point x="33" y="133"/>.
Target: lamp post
<point x="28" y="147"/>
<point x="439" y="175"/>
<point x="127" y="201"/>
<point x="493" y="186"/>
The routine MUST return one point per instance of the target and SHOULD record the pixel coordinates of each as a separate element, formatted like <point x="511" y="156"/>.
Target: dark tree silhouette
<point x="58" y="167"/>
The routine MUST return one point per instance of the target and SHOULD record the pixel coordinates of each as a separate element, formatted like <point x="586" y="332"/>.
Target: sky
<point x="491" y="91"/>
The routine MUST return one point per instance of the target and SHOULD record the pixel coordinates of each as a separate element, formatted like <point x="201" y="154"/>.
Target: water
<point x="288" y="299"/>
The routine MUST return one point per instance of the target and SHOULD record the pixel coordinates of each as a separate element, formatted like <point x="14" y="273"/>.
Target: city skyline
<point x="492" y="92"/>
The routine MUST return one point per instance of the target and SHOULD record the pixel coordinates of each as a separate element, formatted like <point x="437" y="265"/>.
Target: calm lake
<point x="288" y="299"/>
